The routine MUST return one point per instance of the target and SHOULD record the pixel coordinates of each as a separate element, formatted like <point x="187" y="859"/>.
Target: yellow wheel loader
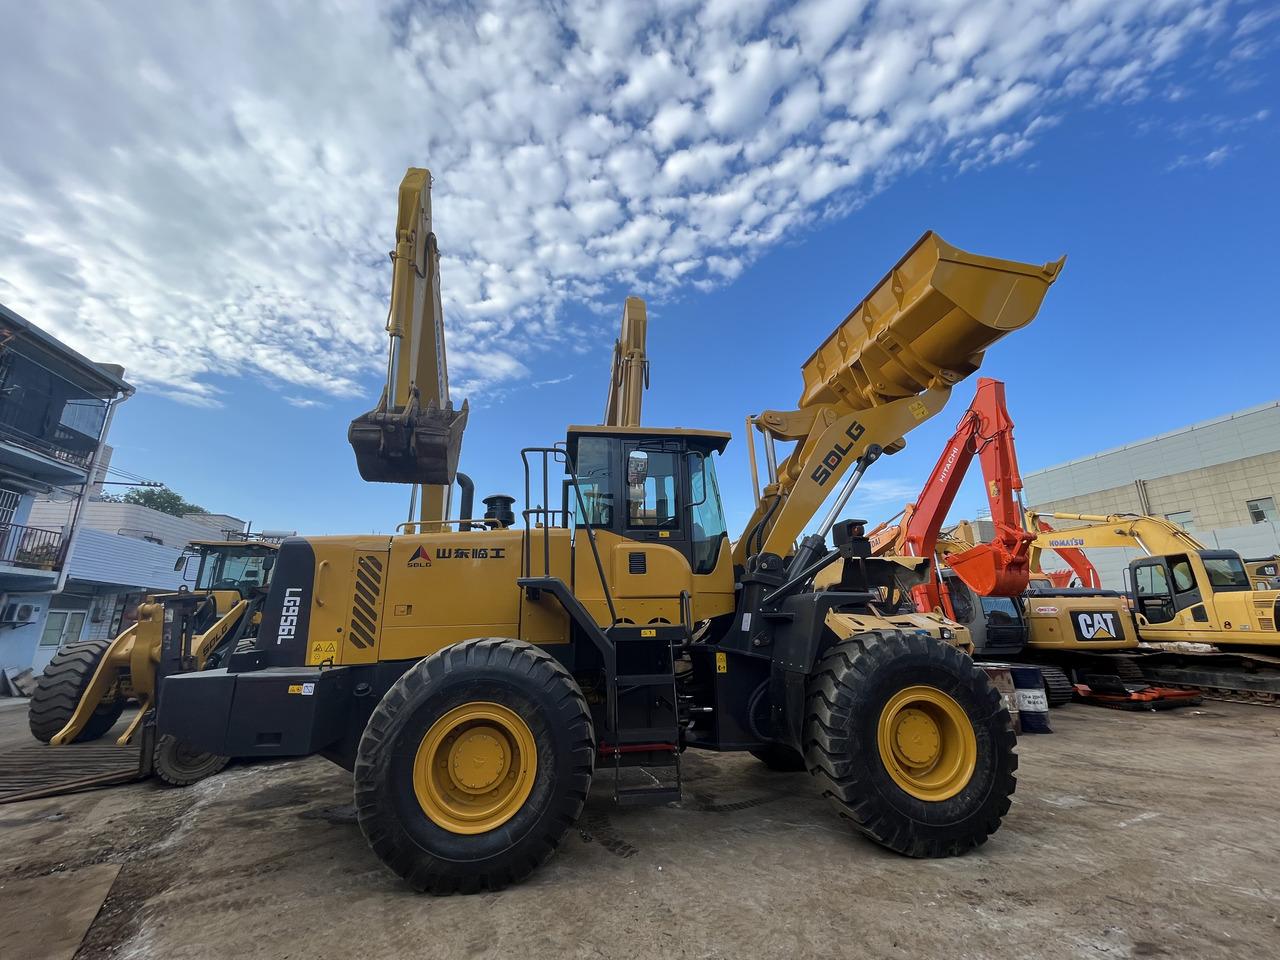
<point x="475" y="680"/>
<point x="86" y="686"/>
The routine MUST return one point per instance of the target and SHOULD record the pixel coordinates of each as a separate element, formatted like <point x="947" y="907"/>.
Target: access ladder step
<point x="640" y="796"/>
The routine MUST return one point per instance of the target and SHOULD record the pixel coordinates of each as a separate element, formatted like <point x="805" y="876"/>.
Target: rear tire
<point x="551" y="755"/>
<point x="179" y="766"/>
<point x="60" y="688"/>
<point x="942" y="812"/>
<point x="780" y="758"/>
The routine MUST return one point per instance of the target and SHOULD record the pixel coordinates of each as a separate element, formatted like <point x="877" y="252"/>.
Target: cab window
<point x="1001" y="611"/>
<point x="709" y="528"/>
<point x="1151" y="581"/>
<point x="230" y="570"/>
<point x="1226" y="573"/>
<point x="1183" y="578"/>
<point x="595" y="479"/>
<point x="652" y="482"/>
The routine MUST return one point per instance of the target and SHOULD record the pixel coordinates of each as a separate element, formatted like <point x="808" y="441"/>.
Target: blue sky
<point x="213" y="211"/>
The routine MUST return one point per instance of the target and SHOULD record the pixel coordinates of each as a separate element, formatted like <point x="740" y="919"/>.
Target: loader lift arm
<point x="414" y="434"/>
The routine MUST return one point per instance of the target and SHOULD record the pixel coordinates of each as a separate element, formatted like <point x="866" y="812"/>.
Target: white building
<point x="122" y="551"/>
<point x="1220" y="479"/>
<point x="55" y="410"/>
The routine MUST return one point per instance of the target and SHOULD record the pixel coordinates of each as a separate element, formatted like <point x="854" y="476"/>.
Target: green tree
<point x="163" y="499"/>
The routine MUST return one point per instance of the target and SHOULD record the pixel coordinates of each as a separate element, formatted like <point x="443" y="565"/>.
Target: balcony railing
<point x="64" y="445"/>
<point x="31" y="547"/>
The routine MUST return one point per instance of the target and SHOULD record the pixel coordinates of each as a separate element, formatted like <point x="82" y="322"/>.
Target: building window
<point x="1262" y="510"/>
<point x="62" y="626"/>
<point x="1182" y="518"/>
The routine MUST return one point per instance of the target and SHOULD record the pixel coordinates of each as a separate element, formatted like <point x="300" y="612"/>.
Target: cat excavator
<point x="474" y="680"/>
<point x="1199" y="610"/>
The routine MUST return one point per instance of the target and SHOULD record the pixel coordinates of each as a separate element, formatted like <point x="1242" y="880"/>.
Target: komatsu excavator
<point x="1201" y="607"/>
<point x="86" y="686"/>
<point x="475" y="680"/>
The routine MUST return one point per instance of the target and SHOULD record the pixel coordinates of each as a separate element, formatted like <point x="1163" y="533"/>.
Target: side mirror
<point x="268" y="564"/>
<point x="699" y="470"/>
<point x="183" y="566"/>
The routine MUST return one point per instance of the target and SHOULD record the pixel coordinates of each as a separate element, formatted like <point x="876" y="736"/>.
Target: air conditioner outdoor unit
<point x="18" y="613"/>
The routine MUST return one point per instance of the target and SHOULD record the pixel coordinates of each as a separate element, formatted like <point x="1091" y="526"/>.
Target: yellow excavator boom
<point x="888" y="366"/>
<point x="414" y="434"/>
<point x="1154" y="536"/>
<point x="629" y="374"/>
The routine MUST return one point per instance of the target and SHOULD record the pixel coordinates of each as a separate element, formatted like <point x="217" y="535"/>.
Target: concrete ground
<point x="1149" y="835"/>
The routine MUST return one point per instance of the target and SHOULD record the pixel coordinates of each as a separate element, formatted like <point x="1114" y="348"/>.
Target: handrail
<point x="559" y="455"/>
<point x="418" y="525"/>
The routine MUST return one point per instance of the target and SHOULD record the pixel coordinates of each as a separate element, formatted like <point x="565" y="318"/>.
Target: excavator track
<point x="1057" y="685"/>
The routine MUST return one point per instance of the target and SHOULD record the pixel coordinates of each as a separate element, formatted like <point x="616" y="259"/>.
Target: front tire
<point x="474" y="766"/>
<point x="180" y="766"/>
<point x="59" y="691"/>
<point x="910" y="743"/>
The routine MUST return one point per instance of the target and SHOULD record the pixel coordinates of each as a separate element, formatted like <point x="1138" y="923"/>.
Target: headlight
<point x="948" y="633"/>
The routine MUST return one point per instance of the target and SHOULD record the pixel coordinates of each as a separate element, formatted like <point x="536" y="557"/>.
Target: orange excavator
<point x="998" y="590"/>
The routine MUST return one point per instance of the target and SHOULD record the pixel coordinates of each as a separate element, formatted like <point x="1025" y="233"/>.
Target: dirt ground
<point x="1130" y="836"/>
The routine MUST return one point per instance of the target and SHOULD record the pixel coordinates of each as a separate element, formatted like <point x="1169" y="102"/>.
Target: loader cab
<point x="235" y="567"/>
<point x="1164" y="586"/>
<point x="652" y="486"/>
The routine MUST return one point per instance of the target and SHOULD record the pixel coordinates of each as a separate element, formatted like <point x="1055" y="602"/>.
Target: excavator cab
<point x="1167" y="585"/>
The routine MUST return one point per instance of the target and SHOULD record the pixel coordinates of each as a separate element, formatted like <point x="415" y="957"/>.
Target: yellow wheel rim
<point x="927" y="743"/>
<point x="475" y="768"/>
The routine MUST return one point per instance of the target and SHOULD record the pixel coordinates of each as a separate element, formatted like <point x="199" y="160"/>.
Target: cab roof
<point x="715" y="440"/>
<point x="234" y="543"/>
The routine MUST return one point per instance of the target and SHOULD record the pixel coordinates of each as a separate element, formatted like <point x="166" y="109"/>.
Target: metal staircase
<point x="642" y="713"/>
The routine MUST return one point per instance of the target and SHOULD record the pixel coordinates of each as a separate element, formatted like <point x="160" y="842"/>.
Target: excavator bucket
<point x="416" y="446"/>
<point x="991" y="572"/>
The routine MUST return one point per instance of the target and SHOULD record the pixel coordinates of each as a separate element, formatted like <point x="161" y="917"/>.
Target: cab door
<point x="654" y="494"/>
<point x="1152" y="590"/>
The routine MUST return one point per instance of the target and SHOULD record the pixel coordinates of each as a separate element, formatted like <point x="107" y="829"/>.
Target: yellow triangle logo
<point x="1103" y="634"/>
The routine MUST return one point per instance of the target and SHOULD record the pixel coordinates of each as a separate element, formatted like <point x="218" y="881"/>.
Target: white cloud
<point x="205" y="191"/>
<point x="1213" y="158"/>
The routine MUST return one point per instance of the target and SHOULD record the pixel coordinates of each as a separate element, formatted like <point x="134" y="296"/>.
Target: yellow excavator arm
<point x="1154" y="536"/>
<point x="889" y="366"/>
<point x="414" y="435"/>
<point x="629" y="374"/>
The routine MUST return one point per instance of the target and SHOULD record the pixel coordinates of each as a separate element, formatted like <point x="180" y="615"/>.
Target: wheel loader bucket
<point x="417" y="446"/>
<point x="925" y="324"/>
<point x="990" y="572"/>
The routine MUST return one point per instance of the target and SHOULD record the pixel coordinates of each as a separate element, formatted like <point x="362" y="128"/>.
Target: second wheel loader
<point x="474" y="681"/>
<point x="84" y="690"/>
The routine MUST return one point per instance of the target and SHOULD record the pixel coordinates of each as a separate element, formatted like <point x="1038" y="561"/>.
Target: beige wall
<point x="1215" y="495"/>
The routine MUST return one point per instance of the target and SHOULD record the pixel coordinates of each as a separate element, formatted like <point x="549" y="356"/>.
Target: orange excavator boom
<point x="998" y="568"/>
